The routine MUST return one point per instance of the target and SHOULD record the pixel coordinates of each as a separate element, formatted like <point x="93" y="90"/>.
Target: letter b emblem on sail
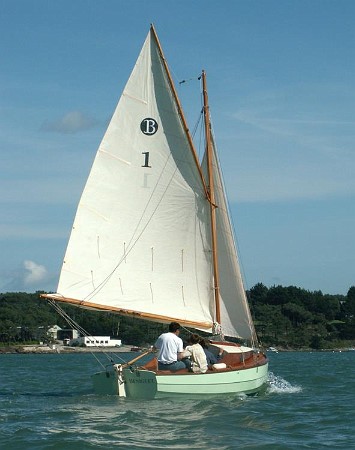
<point x="149" y="126"/>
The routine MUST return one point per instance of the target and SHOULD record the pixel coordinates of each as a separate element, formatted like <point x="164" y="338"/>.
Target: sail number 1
<point x="149" y="127"/>
<point x="146" y="159"/>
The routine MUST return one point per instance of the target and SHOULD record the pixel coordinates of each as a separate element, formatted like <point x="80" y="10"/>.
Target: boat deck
<point x="234" y="360"/>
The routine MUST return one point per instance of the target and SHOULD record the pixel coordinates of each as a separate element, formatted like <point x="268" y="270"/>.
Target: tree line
<point x="292" y="317"/>
<point x="286" y="317"/>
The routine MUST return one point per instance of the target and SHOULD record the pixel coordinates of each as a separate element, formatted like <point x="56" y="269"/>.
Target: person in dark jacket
<point x="211" y="358"/>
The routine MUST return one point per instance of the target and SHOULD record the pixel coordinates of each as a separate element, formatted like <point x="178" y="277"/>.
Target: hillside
<point x="286" y="317"/>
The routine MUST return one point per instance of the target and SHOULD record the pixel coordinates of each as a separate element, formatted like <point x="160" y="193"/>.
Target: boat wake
<point x="278" y="385"/>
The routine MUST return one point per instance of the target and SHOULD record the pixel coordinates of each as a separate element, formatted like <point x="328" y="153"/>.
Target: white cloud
<point x="72" y="122"/>
<point x="34" y="273"/>
<point x="29" y="277"/>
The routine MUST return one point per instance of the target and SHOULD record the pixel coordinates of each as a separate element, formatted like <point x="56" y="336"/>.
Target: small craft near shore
<point x="272" y="349"/>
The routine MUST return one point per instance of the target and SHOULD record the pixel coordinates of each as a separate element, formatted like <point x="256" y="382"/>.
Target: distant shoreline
<point x="58" y="348"/>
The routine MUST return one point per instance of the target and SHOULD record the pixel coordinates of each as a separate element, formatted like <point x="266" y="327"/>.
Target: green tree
<point x="258" y="294"/>
<point x="349" y="305"/>
<point x="296" y="313"/>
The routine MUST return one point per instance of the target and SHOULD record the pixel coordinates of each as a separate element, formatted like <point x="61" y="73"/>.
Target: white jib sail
<point x="141" y="235"/>
<point x="236" y="319"/>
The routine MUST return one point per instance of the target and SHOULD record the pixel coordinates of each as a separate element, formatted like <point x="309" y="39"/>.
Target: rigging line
<point x="200" y="115"/>
<point x="182" y="81"/>
<point x="189" y="79"/>
<point x="68" y="319"/>
<point x="76" y="326"/>
<point x="72" y="323"/>
<point x="201" y="143"/>
<point x="186" y="329"/>
<point x="190" y="332"/>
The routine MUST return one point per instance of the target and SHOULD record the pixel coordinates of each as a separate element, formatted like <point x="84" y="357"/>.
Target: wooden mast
<point x="213" y="206"/>
<point x="209" y="190"/>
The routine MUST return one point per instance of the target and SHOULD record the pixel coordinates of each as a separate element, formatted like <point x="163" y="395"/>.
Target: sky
<point x="281" y="81"/>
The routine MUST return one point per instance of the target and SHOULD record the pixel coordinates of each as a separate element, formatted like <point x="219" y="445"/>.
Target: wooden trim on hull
<point x="234" y="362"/>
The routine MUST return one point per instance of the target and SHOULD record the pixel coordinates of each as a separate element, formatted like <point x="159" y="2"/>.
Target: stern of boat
<point x="140" y="383"/>
<point x="109" y="382"/>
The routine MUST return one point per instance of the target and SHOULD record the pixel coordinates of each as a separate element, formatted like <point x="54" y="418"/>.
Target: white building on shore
<point x="53" y="331"/>
<point x="95" y="341"/>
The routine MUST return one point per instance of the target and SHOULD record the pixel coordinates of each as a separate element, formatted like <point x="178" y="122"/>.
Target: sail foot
<point x="126" y="312"/>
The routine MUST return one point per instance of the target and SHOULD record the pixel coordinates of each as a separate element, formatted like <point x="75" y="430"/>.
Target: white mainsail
<point x="140" y="239"/>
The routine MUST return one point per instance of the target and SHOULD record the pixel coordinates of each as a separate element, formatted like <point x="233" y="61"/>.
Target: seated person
<point x="170" y="349"/>
<point x="211" y="358"/>
<point x="195" y="352"/>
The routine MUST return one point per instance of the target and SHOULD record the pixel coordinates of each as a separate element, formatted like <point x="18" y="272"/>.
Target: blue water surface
<point x="47" y="402"/>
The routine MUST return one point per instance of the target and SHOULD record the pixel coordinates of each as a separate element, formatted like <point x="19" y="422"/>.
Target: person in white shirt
<point x="170" y="349"/>
<point x="197" y="355"/>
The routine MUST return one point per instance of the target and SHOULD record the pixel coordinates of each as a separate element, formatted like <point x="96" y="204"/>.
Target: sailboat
<point x="152" y="239"/>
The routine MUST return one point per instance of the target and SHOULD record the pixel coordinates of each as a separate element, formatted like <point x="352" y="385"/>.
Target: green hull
<point x="140" y="383"/>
